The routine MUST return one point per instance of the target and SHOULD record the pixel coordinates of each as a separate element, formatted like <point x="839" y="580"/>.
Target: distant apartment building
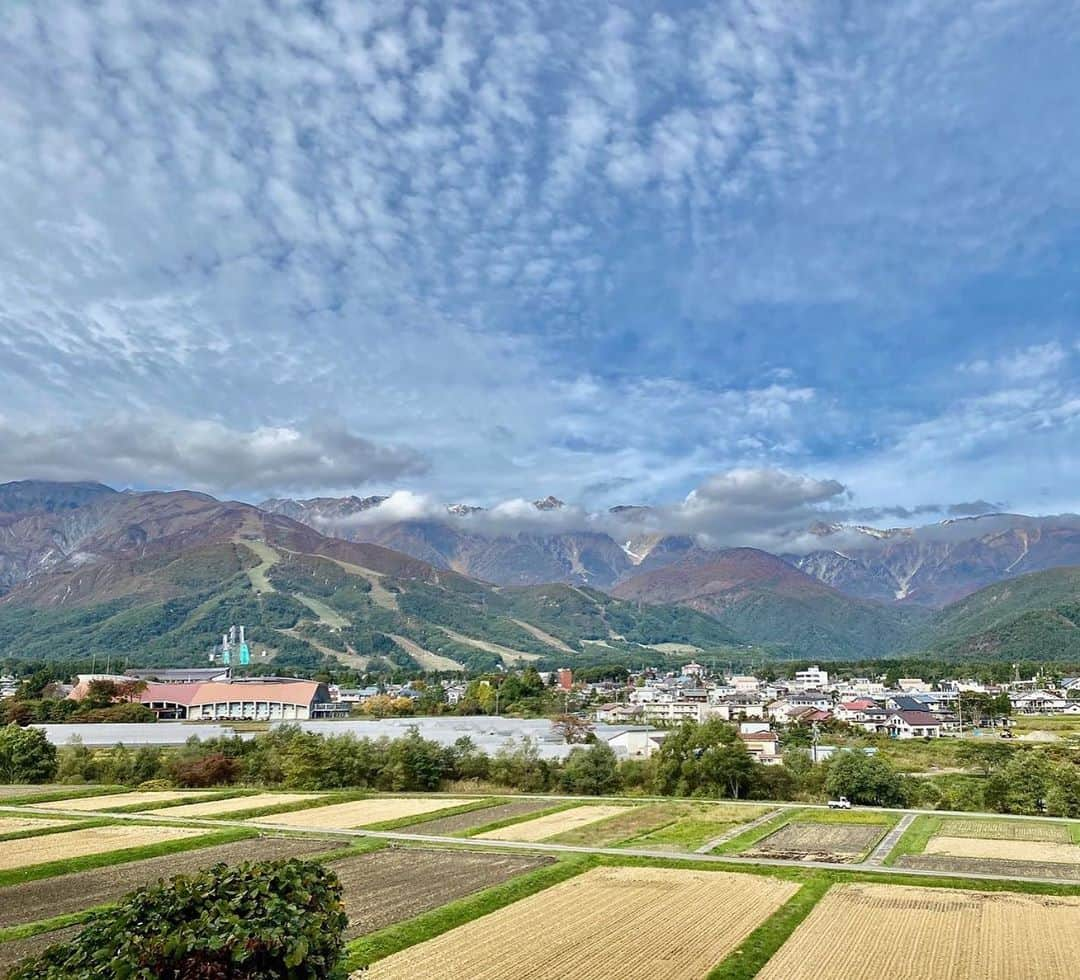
<point x="812" y="677"/>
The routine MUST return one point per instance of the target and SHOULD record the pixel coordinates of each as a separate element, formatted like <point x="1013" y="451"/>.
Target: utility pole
<point x="960" y="709"/>
<point x="814" y="741"/>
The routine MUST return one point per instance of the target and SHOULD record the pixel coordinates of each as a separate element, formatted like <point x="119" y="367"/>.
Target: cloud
<point x="204" y="455"/>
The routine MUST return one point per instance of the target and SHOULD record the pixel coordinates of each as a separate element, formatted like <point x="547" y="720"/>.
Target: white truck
<point x="841" y="804"/>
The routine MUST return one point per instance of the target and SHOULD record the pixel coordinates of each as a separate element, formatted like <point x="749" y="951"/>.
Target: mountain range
<point x="157" y="577"/>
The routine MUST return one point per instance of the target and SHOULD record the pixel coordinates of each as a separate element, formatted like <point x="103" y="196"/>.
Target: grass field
<point x="360" y="813"/>
<point x="868" y="931"/>
<point x="555" y="823"/>
<point x="615" y="923"/>
<point x="697" y="824"/>
<point x="92" y="840"/>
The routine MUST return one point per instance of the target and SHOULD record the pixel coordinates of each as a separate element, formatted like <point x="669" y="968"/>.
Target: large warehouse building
<point x="257" y="699"/>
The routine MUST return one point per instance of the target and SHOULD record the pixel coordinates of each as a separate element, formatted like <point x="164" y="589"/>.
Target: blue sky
<point x="490" y="250"/>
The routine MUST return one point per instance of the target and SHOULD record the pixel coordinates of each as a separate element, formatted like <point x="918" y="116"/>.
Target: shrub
<point x="26" y="755"/>
<point x="271" y="921"/>
<point x="215" y="769"/>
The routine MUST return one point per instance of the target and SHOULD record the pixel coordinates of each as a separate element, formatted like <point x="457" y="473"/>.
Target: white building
<point x="812" y="677"/>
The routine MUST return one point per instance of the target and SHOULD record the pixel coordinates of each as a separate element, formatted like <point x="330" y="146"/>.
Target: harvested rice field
<point x="606" y="924"/>
<point x="394" y="884"/>
<point x="554" y="823"/>
<point x="811" y="841"/>
<point x="1008" y="850"/>
<point x="864" y="932"/>
<point x="360" y="813"/>
<point x="114" y="800"/>
<point x="213" y="808"/>
<point x="15" y="825"/>
<point x="989" y="866"/>
<point x="31" y="901"/>
<point x="625" y="826"/>
<point x="1005" y="830"/>
<point x="462" y="822"/>
<point x="92" y="840"/>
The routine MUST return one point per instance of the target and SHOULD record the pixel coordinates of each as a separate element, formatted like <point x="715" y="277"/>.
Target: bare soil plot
<point x="13" y="825"/>
<point x="442" y="826"/>
<point x="606" y="924"/>
<point x="359" y="813"/>
<point x="113" y="800"/>
<point x="1009" y="850"/>
<point x="554" y="823"/>
<point x="31" y="901"/>
<point x="394" y="884"/>
<point x="19" y="949"/>
<point x="989" y="866"/>
<point x="865" y="932"/>
<point x="238" y="804"/>
<point x="808" y="841"/>
<point x="91" y="840"/>
<point x="1005" y="830"/>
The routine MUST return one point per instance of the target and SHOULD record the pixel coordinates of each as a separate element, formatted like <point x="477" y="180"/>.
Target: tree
<point x="704" y="759"/>
<point x="868" y="779"/>
<point x="26" y="756"/>
<point x="593" y="771"/>
<point x="574" y="730"/>
<point x="1020" y="786"/>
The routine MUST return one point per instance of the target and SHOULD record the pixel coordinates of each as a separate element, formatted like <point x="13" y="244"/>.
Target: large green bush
<point x="271" y="921"/>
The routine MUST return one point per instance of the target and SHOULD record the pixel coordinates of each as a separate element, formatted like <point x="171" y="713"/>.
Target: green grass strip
<point x="750" y="837"/>
<point x="367" y="949"/>
<point x="28" y="929"/>
<point x="50" y="869"/>
<point x="757" y="949"/>
<point x="915" y="838"/>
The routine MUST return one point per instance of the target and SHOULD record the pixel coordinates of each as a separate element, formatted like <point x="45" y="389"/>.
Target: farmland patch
<point x="14" y="825"/>
<point x="114" y="800"/>
<point x="863" y="932"/>
<point x="461" y="822"/>
<point x="811" y="841"/>
<point x="32" y="901"/>
<point x="394" y="884"/>
<point x="554" y="823"/>
<point x="989" y="866"/>
<point x="1009" y="850"/>
<point x="1006" y="830"/>
<point x="92" y="840"/>
<point x="362" y="812"/>
<point x="238" y="804"/>
<point x="613" y="923"/>
<point x="697" y="824"/>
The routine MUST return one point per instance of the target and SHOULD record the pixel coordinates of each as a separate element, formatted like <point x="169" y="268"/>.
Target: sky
<point x="817" y="258"/>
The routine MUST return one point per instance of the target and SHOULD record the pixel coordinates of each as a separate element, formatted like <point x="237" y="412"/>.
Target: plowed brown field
<point x="808" y="841"/>
<point x="866" y="932"/>
<point x="607" y="924"/>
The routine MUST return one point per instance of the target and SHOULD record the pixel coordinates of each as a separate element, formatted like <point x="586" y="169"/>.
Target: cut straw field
<point x="1007" y="850"/>
<point x="14" y="825"/>
<point x="606" y="924"/>
<point x="212" y="808"/>
<point x="360" y="813"/>
<point x="555" y="823"/>
<point x="92" y="840"/>
<point x="1006" y="830"/>
<point x="865" y="932"/>
<point x="114" y="800"/>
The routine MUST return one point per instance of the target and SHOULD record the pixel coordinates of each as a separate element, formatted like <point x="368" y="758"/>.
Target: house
<point x="764" y="746"/>
<point x="855" y="711"/>
<point x="736" y="706"/>
<point x="786" y="708"/>
<point x="912" y="724"/>
<point x="1038" y="703"/>
<point x="614" y="713"/>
